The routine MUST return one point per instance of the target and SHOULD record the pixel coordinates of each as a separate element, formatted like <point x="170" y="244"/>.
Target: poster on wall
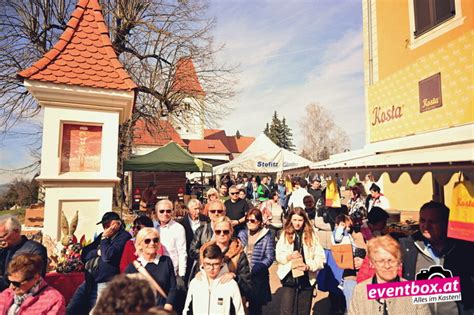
<point x="461" y="214"/>
<point x="81" y="148"/>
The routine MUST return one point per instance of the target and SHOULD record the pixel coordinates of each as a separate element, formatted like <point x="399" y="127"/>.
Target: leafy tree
<point x="321" y="136"/>
<point x="22" y="192"/>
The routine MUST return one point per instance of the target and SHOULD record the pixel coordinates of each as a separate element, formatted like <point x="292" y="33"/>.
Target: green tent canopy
<point x="169" y="158"/>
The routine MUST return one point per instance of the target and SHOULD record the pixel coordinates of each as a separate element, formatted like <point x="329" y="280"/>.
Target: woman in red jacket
<point x="28" y="292"/>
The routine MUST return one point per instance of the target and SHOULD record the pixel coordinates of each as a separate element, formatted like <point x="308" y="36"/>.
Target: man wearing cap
<point x="376" y="223"/>
<point x="102" y="263"/>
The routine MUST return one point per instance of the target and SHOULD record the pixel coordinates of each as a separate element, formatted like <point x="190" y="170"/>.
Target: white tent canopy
<point x="263" y="156"/>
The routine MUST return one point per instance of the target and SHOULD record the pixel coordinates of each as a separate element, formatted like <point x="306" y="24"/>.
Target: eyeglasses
<point x="252" y="220"/>
<point x="165" y="210"/>
<point x="234" y="193"/>
<point x="18" y="284"/>
<point x="382" y="262"/>
<point x="212" y="266"/>
<point x="216" y="211"/>
<point x="225" y="232"/>
<point x="155" y="240"/>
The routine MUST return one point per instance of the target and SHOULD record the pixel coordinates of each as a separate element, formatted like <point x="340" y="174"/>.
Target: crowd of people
<point x="215" y="258"/>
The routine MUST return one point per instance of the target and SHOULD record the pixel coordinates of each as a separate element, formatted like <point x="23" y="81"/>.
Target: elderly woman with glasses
<point x="28" y="292"/>
<point x="129" y="254"/>
<point x="234" y="255"/>
<point x="385" y="256"/>
<point x="147" y="245"/>
<point x="260" y="250"/>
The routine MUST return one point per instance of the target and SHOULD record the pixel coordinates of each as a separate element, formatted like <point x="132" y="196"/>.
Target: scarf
<point x="19" y="299"/>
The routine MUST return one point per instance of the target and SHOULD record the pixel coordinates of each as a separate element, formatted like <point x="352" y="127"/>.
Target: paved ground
<point x="320" y="302"/>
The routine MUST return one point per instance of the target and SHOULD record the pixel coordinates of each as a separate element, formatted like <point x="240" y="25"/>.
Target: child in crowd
<point x="208" y="294"/>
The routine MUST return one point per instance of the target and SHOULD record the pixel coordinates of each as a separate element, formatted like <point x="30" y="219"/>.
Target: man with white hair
<point x="191" y="222"/>
<point x="173" y="238"/>
<point x="12" y="243"/>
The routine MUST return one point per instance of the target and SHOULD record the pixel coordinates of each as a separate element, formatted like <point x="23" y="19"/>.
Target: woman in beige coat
<point x="299" y="256"/>
<point x="384" y="254"/>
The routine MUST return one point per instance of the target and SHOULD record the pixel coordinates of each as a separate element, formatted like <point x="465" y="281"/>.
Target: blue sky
<point x="290" y="53"/>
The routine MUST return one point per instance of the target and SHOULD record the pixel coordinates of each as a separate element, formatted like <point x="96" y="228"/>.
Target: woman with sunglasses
<point x="212" y="195"/>
<point x="28" y="292"/>
<point x="234" y="256"/>
<point x="260" y="250"/>
<point x="299" y="256"/>
<point x="129" y="254"/>
<point x="160" y="267"/>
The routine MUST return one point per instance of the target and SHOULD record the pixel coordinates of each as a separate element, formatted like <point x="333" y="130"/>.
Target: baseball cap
<point x="377" y="214"/>
<point x="108" y="216"/>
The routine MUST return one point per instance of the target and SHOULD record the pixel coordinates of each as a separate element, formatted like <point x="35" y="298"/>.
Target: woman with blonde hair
<point x="160" y="268"/>
<point x="299" y="256"/>
<point x="235" y="257"/>
<point x="212" y="195"/>
<point x="385" y="255"/>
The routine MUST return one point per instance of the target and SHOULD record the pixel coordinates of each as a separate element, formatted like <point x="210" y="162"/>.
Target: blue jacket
<point x="111" y="252"/>
<point x="263" y="253"/>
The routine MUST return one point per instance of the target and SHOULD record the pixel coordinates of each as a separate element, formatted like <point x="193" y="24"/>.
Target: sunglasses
<point x="234" y="193"/>
<point x="216" y="211"/>
<point x="165" y="210"/>
<point x="224" y="232"/>
<point x="18" y="284"/>
<point x="252" y="220"/>
<point x="155" y="240"/>
<point x="137" y="227"/>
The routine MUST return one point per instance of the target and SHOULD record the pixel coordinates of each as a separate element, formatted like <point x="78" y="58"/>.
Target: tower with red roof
<point x="85" y="93"/>
<point x="189" y="119"/>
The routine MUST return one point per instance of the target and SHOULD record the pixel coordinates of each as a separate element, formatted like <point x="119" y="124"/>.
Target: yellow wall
<point x="406" y="196"/>
<point x="400" y="69"/>
<point x="393" y="30"/>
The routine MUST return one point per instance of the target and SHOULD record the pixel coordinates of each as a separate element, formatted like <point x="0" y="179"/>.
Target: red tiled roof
<point x="186" y="80"/>
<point x="83" y="55"/>
<point x="233" y="144"/>
<point x="148" y="134"/>
<point x="207" y="146"/>
<point x="214" y="134"/>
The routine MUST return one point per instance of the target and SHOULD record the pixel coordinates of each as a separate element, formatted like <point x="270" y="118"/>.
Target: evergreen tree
<point x="286" y="136"/>
<point x="275" y="129"/>
<point x="279" y="132"/>
<point x="237" y="134"/>
<point x="267" y="130"/>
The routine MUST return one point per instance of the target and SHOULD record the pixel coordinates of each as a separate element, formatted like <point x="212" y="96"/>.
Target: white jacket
<point x="296" y="198"/>
<point x="215" y="298"/>
<point x="314" y="257"/>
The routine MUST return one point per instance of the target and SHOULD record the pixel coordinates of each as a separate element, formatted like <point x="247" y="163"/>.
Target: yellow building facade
<point x="419" y="83"/>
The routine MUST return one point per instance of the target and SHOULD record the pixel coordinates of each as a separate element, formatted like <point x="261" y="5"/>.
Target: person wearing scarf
<point x="28" y="292"/>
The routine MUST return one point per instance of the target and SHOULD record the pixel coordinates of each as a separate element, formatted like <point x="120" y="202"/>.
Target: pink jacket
<point x="47" y="301"/>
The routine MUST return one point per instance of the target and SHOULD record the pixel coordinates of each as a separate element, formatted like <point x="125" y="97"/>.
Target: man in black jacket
<point x="12" y="243"/>
<point x="205" y="233"/>
<point x="191" y="222"/>
<point x="102" y="263"/>
<point x="430" y="246"/>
